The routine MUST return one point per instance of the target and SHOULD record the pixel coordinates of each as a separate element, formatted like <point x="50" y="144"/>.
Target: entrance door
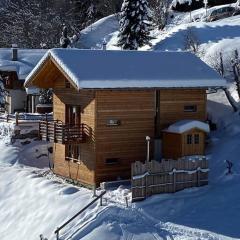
<point x="73" y="115"/>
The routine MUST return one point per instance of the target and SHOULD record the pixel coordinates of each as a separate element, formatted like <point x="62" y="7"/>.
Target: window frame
<point x="190" y="108"/>
<point x="73" y="153"/>
<point x="189" y="139"/>
<point x="112" y="161"/>
<point x="67" y="84"/>
<point x="197" y="138"/>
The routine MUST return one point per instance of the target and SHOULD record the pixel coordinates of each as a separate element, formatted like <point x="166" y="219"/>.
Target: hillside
<point x="213" y="37"/>
<point x="35" y="202"/>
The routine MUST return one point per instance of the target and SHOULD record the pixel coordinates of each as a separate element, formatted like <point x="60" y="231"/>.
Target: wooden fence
<point x="167" y="176"/>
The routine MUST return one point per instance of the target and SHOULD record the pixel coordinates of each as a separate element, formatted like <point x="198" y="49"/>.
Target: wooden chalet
<point x="15" y="65"/>
<point x="106" y="102"/>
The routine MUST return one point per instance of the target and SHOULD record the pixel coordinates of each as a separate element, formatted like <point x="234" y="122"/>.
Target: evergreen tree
<point x="135" y="24"/>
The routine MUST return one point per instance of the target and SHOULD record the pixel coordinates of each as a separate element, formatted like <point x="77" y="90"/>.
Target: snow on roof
<point x="98" y="69"/>
<point x="33" y="91"/>
<point x="27" y="60"/>
<point x="186" y="125"/>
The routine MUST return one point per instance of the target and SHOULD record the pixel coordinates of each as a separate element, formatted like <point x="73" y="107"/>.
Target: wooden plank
<point x="154" y="177"/>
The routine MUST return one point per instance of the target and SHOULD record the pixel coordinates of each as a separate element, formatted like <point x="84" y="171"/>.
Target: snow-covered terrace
<point x="98" y="69"/>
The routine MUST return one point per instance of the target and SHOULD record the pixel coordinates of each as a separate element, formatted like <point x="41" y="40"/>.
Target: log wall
<point x="135" y="111"/>
<point x="85" y="171"/>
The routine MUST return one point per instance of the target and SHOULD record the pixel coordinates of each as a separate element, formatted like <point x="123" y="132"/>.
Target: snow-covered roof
<point x="27" y="60"/>
<point x="98" y="69"/>
<point x="186" y="125"/>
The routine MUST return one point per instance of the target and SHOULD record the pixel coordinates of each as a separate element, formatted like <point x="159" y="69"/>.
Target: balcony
<point x="57" y="132"/>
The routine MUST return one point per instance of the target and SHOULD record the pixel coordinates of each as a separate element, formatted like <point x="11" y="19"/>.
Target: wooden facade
<point x="118" y="121"/>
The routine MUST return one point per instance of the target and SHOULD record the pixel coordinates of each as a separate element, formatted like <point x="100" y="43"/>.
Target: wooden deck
<point x="57" y="132"/>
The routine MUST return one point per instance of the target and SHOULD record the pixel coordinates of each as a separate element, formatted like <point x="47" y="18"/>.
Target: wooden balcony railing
<point x="56" y="131"/>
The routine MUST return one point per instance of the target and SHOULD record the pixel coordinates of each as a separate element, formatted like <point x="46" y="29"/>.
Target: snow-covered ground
<point x="34" y="202"/>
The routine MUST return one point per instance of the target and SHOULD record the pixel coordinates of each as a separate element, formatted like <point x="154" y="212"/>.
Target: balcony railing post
<point x="54" y="131"/>
<point x="63" y="133"/>
<point x="39" y="130"/>
<point x="47" y="130"/>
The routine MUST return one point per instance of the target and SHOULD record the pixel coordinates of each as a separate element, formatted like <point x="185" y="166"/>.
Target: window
<point x="73" y="115"/>
<point x="67" y="84"/>
<point x="110" y="161"/>
<point x="190" y="108"/>
<point x="113" y="122"/>
<point x="73" y="152"/>
<point x="189" y="139"/>
<point x="196" y="138"/>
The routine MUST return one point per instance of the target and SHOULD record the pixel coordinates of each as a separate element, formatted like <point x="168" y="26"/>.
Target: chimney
<point x="14" y="52"/>
<point x="104" y="44"/>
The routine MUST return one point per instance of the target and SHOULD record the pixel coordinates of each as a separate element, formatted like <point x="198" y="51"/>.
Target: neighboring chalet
<point x="15" y="65"/>
<point x="106" y="103"/>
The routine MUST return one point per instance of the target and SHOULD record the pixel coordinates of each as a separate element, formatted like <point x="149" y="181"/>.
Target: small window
<point x="196" y="138"/>
<point x="189" y="139"/>
<point x="73" y="152"/>
<point x="67" y="84"/>
<point x="113" y="122"/>
<point x="111" y="161"/>
<point x="190" y="108"/>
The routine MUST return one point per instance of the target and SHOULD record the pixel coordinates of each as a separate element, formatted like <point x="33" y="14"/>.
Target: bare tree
<point x="191" y="42"/>
<point x="236" y="70"/>
<point x="216" y="62"/>
<point x="3" y="93"/>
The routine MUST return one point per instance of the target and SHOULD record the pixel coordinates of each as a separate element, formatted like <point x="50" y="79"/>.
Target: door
<point x="73" y="115"/>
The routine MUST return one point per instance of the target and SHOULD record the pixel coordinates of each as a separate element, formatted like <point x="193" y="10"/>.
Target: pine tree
<point x="135" y="24"/>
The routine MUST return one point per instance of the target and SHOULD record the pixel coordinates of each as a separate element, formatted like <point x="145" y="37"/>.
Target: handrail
<point x="58" y="132"/>
<point x="77" y="214"/>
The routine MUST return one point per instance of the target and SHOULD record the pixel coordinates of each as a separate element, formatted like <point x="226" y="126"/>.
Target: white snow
<point x="32" y="204"/>
<point x="27" y="59"/>
<point x="142" y="69"/>
<point x="186" y="125"/>
<point x="93" y="36"/>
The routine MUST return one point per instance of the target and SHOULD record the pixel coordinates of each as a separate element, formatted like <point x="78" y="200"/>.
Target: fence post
<point x="198" y="177"/>
<point x="101" y="201"/>
<point x="94" y="190"/>
<point x="174" y="180"/>
<point x="17" y="118"/>
<point x="146" y="186"/>
<point x="57" y="234"/>
<point x="126" y="200"/>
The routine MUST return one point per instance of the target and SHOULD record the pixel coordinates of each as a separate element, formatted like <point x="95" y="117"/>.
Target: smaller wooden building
<point x="184" y="138"/>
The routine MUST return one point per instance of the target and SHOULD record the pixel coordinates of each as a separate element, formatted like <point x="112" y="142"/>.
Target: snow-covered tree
<point x="46" y="96"/>
<point x="135" y="24"/>
<point x="3" y="94"/>
<point x="66" y="41"/>
<point x="160" y="9"/>
<point x="91" y="14"/>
